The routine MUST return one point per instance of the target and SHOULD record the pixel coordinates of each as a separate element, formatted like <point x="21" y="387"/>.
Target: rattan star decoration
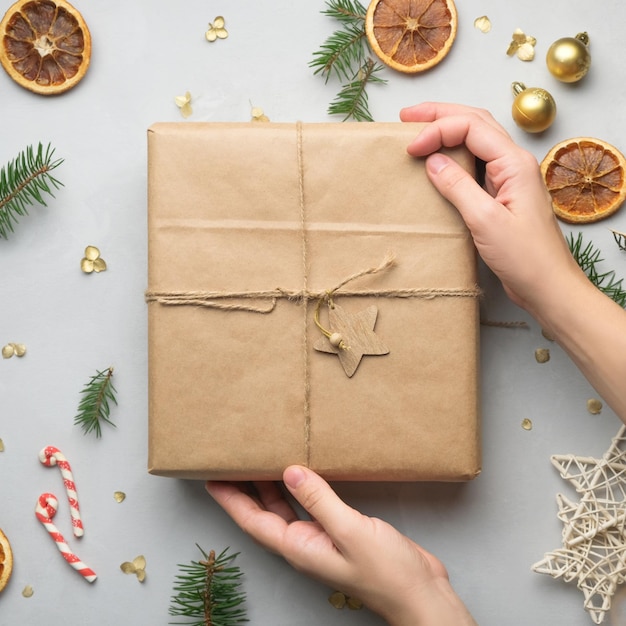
<point x="594" y="528"/>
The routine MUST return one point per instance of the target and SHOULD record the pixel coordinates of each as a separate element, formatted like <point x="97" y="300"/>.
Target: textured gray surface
<point x="488" y="532"/>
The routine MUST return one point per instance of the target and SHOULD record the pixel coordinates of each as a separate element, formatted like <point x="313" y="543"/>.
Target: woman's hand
<point x="364" y="557"/>
<point x="517" y="235"/>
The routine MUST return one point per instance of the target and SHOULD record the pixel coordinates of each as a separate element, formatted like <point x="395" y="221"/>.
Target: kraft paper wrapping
<point x="241" y="208"/>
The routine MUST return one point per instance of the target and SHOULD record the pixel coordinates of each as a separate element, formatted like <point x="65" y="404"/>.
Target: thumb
<point x="458" y="186"/>
<point x="318" y="499"/>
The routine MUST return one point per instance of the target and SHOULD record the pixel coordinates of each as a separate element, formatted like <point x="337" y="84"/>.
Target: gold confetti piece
<point x="92" y="262"/>
<point x="184" y="104"/>
<point x="19" y="349"/>
<point x="354" y="603"/>
<point x="216" y="29"/>
<point x="337" y="599"/>
<point x="119" y="496"/>
<point x="547" y="335"/>
<point x="1" y="445"/>
<point x="527" y="424"/>
<point x="523" y="45"/>
<point x="542" y="355"/>
<point x="28" y="591"/>
<point x="137" y="567"/>
<point x="483" y="24"/>
<point x="8" y="351"/>
<point x="258" y="115"/>
<point x="594" y="406"/>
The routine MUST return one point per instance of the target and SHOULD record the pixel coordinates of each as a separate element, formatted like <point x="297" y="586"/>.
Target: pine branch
<point x="94" y="407"/>
<point x="588" y="258"/>
<point x="352" y="12"/>
<point x="23" y="182"/>
<point x="208" y="592"/>
<point x="341" y="53"/>
<point x="346" y="55"/>
<point x="352" y="100"/>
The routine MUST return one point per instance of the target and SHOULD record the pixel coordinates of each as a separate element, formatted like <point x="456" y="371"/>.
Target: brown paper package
<point x="285" y="213"/>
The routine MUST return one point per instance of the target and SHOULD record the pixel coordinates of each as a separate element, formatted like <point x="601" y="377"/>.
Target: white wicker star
<point x="594" y="529"/>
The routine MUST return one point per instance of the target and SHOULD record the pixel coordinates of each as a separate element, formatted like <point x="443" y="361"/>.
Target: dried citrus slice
<point x="586" y="178"/>
<point x="6" y="560"/>
<point x="411" y="35"/>
<point x="46" y="45"/>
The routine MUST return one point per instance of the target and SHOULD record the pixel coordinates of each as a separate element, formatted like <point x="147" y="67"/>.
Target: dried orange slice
<point x="411" y="35"/>
<point x="46" y="45"/>
<point x="6" y="560"/>
<point x="586" y="178"/>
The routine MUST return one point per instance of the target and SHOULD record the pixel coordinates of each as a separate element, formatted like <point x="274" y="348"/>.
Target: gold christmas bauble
<point x="534" y="109"/>
<point x="568" y="59"/>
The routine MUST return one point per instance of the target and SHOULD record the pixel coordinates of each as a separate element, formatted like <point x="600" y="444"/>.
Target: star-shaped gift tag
<point x="594" y="529"/>
<point x="352" y="336"/>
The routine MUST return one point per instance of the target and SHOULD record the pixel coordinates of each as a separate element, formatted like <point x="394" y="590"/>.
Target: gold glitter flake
<point x="92" y="262"/>
<point x="119" y="496"/>
<point x="216" y="29"/>
<point x="523" y="45"/>
<point x="594" y="406"/>
<point x="28" y="591"/>
<point x="13" y="349"/>
<point x="137" y="566"/>
<point x="184" y="104"/>
<point x="1" y="445"/>
<point x="527" y="424"/>
<point x="258" y="115"/>
<point x="337" y="599"/>
<point x="483" y="24"/>
<point x="542" y="355"/>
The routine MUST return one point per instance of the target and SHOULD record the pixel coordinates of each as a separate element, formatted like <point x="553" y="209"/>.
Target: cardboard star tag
<point x="357" y="337"/>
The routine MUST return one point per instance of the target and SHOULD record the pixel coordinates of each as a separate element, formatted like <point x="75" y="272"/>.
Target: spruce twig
<point x="208" y="592"/>
<point x="588" y="258"/>
<point x="345" y="53"/>
<point x="352" y="100"/>
<point x="94" y="407"/>
<point x="24" y="181"/>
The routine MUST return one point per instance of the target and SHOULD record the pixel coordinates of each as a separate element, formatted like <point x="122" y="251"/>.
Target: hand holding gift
<point x="364" y="557"/>
<point x="517" y="235"/>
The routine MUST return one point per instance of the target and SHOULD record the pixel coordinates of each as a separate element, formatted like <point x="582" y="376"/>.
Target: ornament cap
<point x="583" y="38"/>
<point x="518" y="87"/>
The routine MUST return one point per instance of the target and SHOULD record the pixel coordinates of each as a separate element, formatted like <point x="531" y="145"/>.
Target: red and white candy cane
<point x="50" y="456"/>
<point x="45" y="510"/>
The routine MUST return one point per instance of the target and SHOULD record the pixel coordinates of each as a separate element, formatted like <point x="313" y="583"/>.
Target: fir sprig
<point x="588" y="258"/>
<point x="345" y="53"/>
<point x="352" y="100"/>
<point x="208" y="592"/>
<point x="94" y="407"/>
<point x="24" y="181"/>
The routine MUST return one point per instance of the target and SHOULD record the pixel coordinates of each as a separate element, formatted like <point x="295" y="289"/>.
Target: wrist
<point x="436" y="604"/>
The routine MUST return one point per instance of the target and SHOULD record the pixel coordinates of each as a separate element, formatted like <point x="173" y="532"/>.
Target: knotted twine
<point x="232" y="300"/>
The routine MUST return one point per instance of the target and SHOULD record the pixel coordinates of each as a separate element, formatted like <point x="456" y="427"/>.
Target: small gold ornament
<point x="534" y="109"/>
<point x="568" y="59"/>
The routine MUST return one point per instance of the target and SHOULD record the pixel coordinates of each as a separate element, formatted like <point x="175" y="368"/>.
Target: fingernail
<point x="293" y="476"/>
<point x="436" y="162"/>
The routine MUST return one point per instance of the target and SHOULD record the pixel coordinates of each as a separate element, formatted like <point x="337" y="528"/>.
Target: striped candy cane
<point x="50" y="456"/>
<point x="45" y="510"/>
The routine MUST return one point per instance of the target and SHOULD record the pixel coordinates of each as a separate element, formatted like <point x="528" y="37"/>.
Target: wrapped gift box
<point x="253" y="228"/>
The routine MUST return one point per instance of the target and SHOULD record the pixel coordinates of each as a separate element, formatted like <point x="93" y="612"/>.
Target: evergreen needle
<point x="94" y="407"/>
<point x="620" y="239"/>
<point x="588" y="258"/>
<point x="23" y="182"/>
<point x="208" y="592"/>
